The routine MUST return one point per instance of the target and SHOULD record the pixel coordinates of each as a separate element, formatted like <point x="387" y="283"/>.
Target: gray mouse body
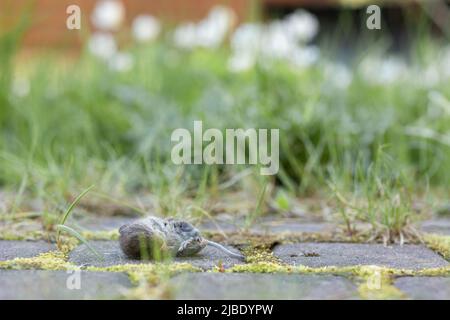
<point x="153" y="236"/>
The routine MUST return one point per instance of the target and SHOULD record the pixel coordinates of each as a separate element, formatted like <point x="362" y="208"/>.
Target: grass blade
<point x="251" y="218"/>
<point x="74" y="233"/>
<point x="73" y="204"/>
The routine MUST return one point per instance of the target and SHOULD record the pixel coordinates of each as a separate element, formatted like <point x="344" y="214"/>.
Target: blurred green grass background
<point x="82" y="123"/>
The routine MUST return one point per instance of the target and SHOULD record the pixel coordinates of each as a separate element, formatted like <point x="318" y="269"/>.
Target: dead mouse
<point x="170" y="237"/>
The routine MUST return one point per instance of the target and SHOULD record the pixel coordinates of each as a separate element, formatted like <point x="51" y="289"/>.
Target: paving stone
<point x="93" y="223"/>
<point x="46" y="285"/>
<point x="290" y="225"/>
<point x="23" y="249"/>
<point x="206" y="259"/>
<point x="211" y="257"/>
<point x="222" y="223"/>
<point x="261" y="286"/>
<point x="438" y="226"/>
<point x="425" y="288"/>
<point x="444" y="210"/>
<point x="349" y="254"/>
<point x="110" y="250"/>
<point x="21" y="230"/>
<point x="268" y="225"/>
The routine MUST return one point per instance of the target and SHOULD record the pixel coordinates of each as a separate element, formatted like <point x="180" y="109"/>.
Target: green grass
<point x="62" y="227"/>
<point x="383" y="197"/>
<point x="82" y="124"/>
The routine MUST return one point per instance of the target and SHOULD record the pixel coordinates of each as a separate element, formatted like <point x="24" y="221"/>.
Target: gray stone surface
<point x="23" y="249"/>
<point x="110" y="250"/>
<point x="272" y="224"/>
<point x="21" y="229"/>
<point x="349" y="254"/>
<point x="206" y="259"/>
<point x="261" y="286"/>
<point x="222" y="223"/>
<point x="291" y="226"/>
<point x="93" y="223"/>
<point x="444" y="210"/>
<point x="438" y="226"/>
<point x="46" y="285"/>
<point x="211" y="257"/>
<point x="425" y="288"/>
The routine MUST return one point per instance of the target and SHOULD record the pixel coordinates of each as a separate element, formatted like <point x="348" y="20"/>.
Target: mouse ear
<point x="122" y="228"/>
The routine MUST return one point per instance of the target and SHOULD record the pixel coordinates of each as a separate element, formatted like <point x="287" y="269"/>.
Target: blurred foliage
<point x="85" y="123"/>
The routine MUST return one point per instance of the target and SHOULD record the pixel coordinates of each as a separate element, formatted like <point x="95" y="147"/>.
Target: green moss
<point x="376" y="283"/>
<point x="259" y="253"/>
<point x="23" y="236"/>
<point x="151" y="279"/>
<point x="260" y="267"/>
<point x="53" y="260"/>
<point x="269" y="240"/>
<point x="148" y="271"/>
<point x="434" y="272"/>
<point x="51" y="235"/>
<point x="20" y="216"/>
<point x="438" y="243"/>
<point x="386" y="291"/>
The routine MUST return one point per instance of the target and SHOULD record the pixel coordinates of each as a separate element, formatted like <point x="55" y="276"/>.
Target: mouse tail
<point x="225" y="250"/>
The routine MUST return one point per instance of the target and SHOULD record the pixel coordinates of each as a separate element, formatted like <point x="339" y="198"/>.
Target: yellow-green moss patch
<point x="23" y="236"/>
<point x="53" y="260"/>
<point x="376" y="283"/>
<point x="438" y="243"/>
<point x="152" y="272"/>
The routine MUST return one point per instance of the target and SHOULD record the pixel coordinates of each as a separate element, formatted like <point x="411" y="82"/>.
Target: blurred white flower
<point x="435" y="71"/>
<point x="445" y="63"/>
<point x="102" y="45"/>
<point x="246" y="45"/>
<point x="223" y="15"/>
<point x="204" y="34"/>
<point x="146" y="28"/>
<point x="438" y="105"/>
<point x="121" y="62"/>
<point x="338" y="74"/>
<point x="301" y="26"/>
<point x="280" y="39"/>
<point x="213" y="30"/>
<point x="108" y="15"/>
<point x="247" y="38"/>
<point x="276" y="42"/>
<point x="392" y="69"/>
<point x="185" y="36"/>
<point x="429" y="76"/>
<point x="240" y="62"/>
<point x="20" y="87"/>
<point x="304" y="56"/>
<point x="208" y="33"/>
<point x="382" y="70"/>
